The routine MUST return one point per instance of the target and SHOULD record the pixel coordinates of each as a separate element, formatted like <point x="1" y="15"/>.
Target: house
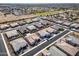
<point x="23" y="30"/>
<point x="69" y="49"/>
<point x="28" y="21"/>
<point x="38" y="24"/>
<point x="50" y="30"/>
<point x="35" y="37"/>
<point x="45" y="53"/>
<point x="30" y="40"/>
<point x="21" y="22"/>
<point x="75" y="25"/>
<point x="11" y="34"/>
<point x="43" y="34"/>
<point x="35" y="19"/>
<point x="59" y="21"/>
<point x="56" y="32"/>
<point x="31" y="28"/>
<point x="50" y="18"/>
<point x="44" y="17"/>
<point x="72" y="40"/>
<point x="44" y="22"/>
<point x="67" y="23"/>
<point x="19" y="45"/>
<point x="14" y="24"/>
<point x="56" y="27"/>
<point x="54" y="51"/>
<point x="4" y="26"/>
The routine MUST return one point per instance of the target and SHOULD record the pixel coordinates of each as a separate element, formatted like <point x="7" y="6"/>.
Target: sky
<point x="39" y="1"/>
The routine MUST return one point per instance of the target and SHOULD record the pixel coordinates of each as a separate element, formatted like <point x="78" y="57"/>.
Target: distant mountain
<point x="58" y="5"/>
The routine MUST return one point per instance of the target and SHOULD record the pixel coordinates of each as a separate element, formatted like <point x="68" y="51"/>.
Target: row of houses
<point x="64" y="22"/>
<point x="17" y="23"/>
<point x="42" y="33"/>
<point x="38" y="22"/>
<point x="19" y="44"/>
<point x="25" y="30"/>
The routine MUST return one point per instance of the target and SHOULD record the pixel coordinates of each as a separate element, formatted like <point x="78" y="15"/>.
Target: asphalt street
<point x="2" y="48"/>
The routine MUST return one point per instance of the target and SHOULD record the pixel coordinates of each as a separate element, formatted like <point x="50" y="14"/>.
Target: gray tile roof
<point x="29" y="39"/>
<point x="18" y="43"/>
<point x="14" y="24"/>
<point x="56" y="52"/>
<point x="21" y="22"/>
<point x="35" y="36"/>
<point x="75" y="25"/>
<point x="28" y="20"/>
<point x="38" y="24"/>
<point x="43" y="33"/>
<point x="4" y="26"/>
<point x="67" y="23"/>
<point x="31" y="27"/>
<point x="72" y="39"/>
<point x="11" y="33"/>
<point x="67" y="48"/>
<point x="35" y="19"/>
<point x="50" y="30"/>
<point x="23" y="30"/>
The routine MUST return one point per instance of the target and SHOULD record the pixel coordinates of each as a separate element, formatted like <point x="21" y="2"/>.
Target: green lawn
<point x="48" y="13"/>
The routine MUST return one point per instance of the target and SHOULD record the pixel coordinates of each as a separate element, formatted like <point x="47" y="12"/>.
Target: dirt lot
<point x="11" y="17"/>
